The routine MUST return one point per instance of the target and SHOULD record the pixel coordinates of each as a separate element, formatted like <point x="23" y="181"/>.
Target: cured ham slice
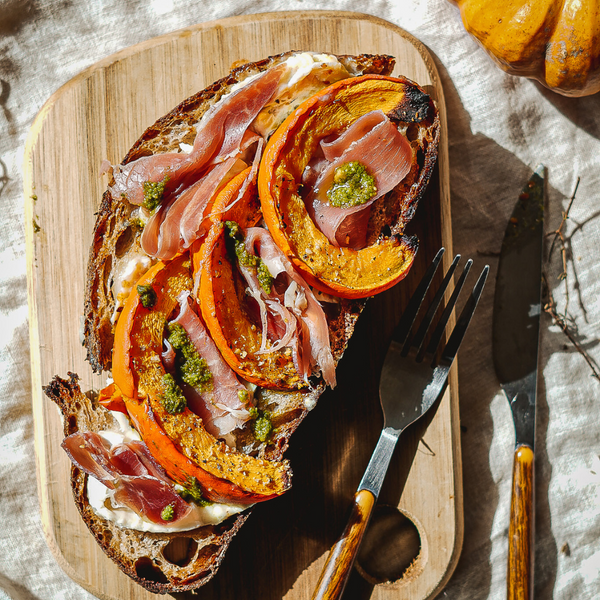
<point x="160" y="240"/>
<point x="134" y="458"/>
<point x="374" y="141"/>
<point x="250" y="179"/>
<point x="219" y="136"/>
<point x="129" y="470"/>
<point x="129" y="179"/>
<point x="221" y="407"/>
<point x="194" y="212"/>
<point x="224" y="132"/>
<point x="164" y="235"/>
<point x="301" y="319"/>
<point x="175" y="226"/>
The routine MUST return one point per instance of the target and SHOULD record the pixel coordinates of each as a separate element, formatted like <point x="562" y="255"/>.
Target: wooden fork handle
<point x="339" y="564"/>
<point x="521" y="528"/>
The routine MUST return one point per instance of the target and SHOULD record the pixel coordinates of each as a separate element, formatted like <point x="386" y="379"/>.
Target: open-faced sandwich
<point x="232" y="254"/>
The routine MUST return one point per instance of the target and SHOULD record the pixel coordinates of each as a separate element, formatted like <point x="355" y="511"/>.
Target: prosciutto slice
<point x="291" y="304"/>
<point x="193" y="179"/>
<point x="194" y="212"/>
<point x="219" y="136"/>
<point x="221" y="407"/>
<point x="164" y="235"/>
<point x="160" y="240"/>
<point x="374" y="141"/>
<point x="129" y="470"/>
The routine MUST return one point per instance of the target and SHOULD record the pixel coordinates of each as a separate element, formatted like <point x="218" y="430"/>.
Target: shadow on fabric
<point x="583" y="112"/>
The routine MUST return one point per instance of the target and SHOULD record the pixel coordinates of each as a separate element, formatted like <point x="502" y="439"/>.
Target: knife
<point x="515" y="335"/>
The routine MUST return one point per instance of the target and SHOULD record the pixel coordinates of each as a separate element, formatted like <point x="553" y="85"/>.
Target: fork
<point x="408" y="387"/>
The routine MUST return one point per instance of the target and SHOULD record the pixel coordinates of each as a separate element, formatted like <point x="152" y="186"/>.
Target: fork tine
<point x="419" y="337"/>
<point x="441" y="326"/>
<point x="405" y="324"/>
<point x="460" y="328"/>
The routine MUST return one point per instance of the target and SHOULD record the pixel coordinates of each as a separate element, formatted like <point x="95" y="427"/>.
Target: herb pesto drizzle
<point x="234" y="233"/>
<point x="352" y="186"/>
<point x="191" y="367"/>
<point x="153" y="193"/>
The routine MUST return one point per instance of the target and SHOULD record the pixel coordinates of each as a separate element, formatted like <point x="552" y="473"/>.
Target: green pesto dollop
<point x="352" y="186"/>
<point x="191" y="367"/>
<point x="264" y="276"/>
<point x="262" y="426"/>
<point x="192" y="492"/>
<point x="153" y="193"/>
<point x="147" y="295"/>
<point x="172" y="399"/>
<point x="168" y="512"/>
<point x="244" y="396"/>
<point x="245" y="259"/>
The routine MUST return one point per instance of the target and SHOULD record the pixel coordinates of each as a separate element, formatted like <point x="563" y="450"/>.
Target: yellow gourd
<point x="556" y="42"/>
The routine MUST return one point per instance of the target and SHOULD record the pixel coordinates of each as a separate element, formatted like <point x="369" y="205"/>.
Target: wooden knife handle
<point x="338" y="567"/>
<point x="521" y="528"/>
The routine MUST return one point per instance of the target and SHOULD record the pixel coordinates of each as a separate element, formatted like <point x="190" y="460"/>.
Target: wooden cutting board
<point x="280" y="551"/>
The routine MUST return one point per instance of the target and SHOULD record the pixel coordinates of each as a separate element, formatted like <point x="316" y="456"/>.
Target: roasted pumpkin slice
<point x="227" y="314"/>
<point x="223" y="298"/>
<point x="182" y="469"/>
<point x="345" y="271"/>
<point x="238" y="200"/>
<point x="176" y="436"/>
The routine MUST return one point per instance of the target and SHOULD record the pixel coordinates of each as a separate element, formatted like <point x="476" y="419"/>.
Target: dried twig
<point x="558" y="233"/>
<point x="563" y="320"/>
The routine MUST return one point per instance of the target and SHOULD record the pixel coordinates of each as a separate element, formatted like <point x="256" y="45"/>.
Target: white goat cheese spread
<point x="100" y="500"/>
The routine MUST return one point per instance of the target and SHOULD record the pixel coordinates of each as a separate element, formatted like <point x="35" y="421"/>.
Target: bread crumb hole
<point x="146" y="569"/>
<point x="107" y="536"/>
<point x="180" y="551"/>
<point x="412" y="132"/>
<point x="124" y="242"/>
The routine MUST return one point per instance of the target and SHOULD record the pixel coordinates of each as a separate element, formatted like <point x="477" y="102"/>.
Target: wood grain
<point x="281" y="550"/>
<point x="521" y="528"/>
<point x="339" y="563"/>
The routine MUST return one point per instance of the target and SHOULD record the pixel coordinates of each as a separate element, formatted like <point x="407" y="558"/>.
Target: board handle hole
<point x="391" y="548"/>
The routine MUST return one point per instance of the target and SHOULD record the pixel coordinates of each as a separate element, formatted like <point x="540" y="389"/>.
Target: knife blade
<point x="515" y="340"/>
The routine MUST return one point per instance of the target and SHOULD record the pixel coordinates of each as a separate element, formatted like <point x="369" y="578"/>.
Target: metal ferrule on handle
<point x="374" y="475"/>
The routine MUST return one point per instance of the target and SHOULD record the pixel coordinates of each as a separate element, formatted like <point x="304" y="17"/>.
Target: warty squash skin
<point x="556" y="42"/>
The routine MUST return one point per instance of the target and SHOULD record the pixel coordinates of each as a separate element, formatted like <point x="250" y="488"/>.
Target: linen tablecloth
<point x="500" y="128"/>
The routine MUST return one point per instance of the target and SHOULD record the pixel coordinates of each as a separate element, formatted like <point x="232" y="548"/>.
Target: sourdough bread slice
<point x="160" y="562"/>
<point x="116" y="236"/>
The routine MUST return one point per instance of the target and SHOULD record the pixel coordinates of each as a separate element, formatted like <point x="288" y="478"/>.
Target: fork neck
<point x="374" y="475"/>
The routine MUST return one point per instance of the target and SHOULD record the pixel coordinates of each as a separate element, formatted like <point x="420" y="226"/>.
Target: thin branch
<point x="561" y="321"/>
<point x="558" y="233"/>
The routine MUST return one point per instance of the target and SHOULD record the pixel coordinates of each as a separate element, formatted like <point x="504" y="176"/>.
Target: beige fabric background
<point x="500" y="128"/>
